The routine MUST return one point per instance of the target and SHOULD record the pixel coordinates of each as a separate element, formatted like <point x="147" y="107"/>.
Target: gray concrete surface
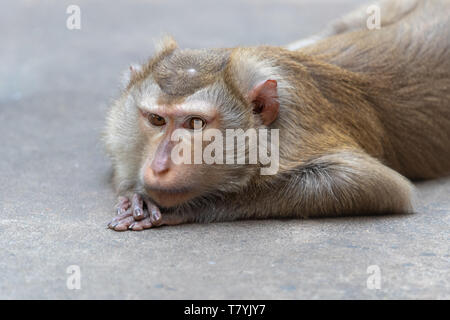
<point x="55" y="199"/>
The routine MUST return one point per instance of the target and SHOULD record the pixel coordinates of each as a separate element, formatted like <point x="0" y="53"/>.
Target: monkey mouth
<point x="169" y="197"/>
<point x="168" y="190"/>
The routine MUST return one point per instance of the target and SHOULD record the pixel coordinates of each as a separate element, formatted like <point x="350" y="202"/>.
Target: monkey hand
<point x="136" y="214"/>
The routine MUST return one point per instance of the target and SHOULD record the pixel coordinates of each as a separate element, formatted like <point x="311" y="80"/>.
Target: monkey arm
<point x="347" y="183"/>
<point x="342" y="183"/>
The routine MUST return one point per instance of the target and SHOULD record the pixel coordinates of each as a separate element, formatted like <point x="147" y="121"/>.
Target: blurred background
<point x="55" y="199"/>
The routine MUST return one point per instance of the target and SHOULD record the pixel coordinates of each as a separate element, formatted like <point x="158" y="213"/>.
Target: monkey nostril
<point x="161" y="172"/>
<point x="159" y="169"/>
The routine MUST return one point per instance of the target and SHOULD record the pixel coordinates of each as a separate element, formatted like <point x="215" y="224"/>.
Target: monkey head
<point x="194" y="90"/>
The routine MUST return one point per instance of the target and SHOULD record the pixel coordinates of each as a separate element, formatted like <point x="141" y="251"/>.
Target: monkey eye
<point x="195" y="123"/>
<point x="156" y="120"/>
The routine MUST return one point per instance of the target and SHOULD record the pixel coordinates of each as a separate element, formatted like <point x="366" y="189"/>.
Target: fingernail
<point x="113" y="224"/>
<point x="138" y="212"/>
<point x="156" y="215"/>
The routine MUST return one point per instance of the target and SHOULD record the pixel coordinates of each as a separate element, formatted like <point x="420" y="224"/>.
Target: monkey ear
<point x="128" y="74"/>
<point x="264" y="98"/>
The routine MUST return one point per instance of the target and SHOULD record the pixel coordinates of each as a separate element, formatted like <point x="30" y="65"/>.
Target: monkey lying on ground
<point x="357" y="112"/>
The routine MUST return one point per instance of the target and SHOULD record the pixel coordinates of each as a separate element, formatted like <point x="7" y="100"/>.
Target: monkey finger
<point x="138" y="207"/>
<point x="123" y="198"/>
<point x="141" y="224"/>
<point x="154" y="213"/>
<point x="123" y="224"/>
<point x="120" y="217"/>
<point x="123" y="205"/>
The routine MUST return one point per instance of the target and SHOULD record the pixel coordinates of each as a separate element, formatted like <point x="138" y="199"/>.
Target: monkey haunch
<point x="356" y="112"/>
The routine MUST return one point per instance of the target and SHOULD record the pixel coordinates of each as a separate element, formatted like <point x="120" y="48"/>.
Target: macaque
<point x="357" y="112"/>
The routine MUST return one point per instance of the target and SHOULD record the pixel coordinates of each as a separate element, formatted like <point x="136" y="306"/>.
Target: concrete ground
<point x="55" y="198"/>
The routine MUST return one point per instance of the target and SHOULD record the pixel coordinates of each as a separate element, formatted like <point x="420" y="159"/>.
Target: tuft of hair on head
<point x="165" y="45"/>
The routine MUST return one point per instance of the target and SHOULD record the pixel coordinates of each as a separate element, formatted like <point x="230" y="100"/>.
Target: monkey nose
<point x="160" y="167"/>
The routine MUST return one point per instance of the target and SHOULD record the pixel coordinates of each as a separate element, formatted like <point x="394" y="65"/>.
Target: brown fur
<point x="357" y="111"/>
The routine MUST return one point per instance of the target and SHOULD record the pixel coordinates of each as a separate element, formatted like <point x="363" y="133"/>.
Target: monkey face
<point x="169" y="181"/>
<point x="191" y="150"/>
